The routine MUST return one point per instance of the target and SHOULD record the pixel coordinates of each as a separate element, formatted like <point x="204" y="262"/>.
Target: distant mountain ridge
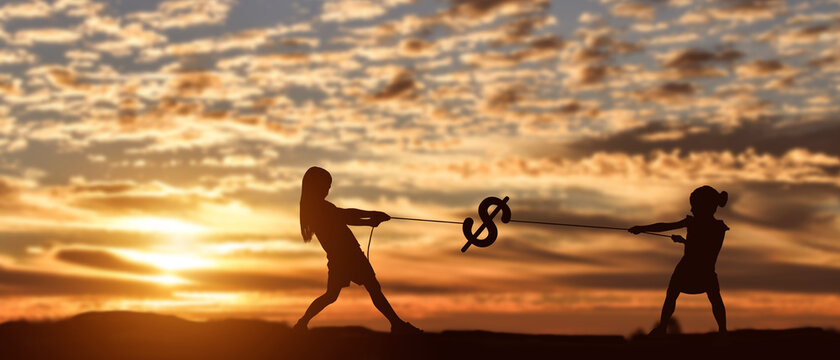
<point x="132" y="335"/>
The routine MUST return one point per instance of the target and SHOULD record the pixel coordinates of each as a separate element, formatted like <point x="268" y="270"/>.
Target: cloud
<point x="762" y="68"/>
<point x="674" y="39"/>
<point x="25" y="10"/>
<point x="401" y="87"/>
<point x="794" y="167"/>
<point x="590" y="75"/>
<point x="503" y="97"/>
<point x="416" y="47"/>
<point x="123" y="40"/>
<point x="134" y="204"/>
<point x="8" y="188"/>
<point x="799" y="208"/>
<point x="489" y="8"/>
<point x="589" y="55"/>
<point x="764" y="135"/>
<point x="106" y="260"/>
<point x="805" y="35"/>
<point x="667" y="93"/>
<point x="66" y="79"/>
<point x="23" y="198"/>
<point x="193" y="84"/>
<point x="635" y="10"/>
<point x="28" y="283"/>
<point x="828" y="61"/>
<point x="347" y="10"/>
<point x="100" y="187"/>
<point x="603" y="39"/>
<point x="524" y="250"/>
<point x="16" y="56"/>
<point x="748" y="10"/>
<point x="541" y="48"/>
<point x="698" y="63"/>
<point x="179" y="14"/>
<point x="9" y="85"/>
<point x="521" y="29"/>
<point x="575" y="107"/>
<point x="234" y="280"/>
<point x="46" y="35"/>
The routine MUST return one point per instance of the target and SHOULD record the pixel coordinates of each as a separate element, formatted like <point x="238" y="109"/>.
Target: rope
<point x="369" y="240"/>
<point x="426" y="220"/>
<point x="583" y="226"/>
<point x="370" y="237"/>
<point x="530" y="222"/>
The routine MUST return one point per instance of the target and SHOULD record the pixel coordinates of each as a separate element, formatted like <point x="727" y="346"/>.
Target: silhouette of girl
<point x="695" y="273"/>
<point x="345" y="259"/>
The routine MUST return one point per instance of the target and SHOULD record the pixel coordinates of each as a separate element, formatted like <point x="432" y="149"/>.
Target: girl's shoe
<point x="300" y="327"/>
<point x="658" y="331"/>
<point x="405" y="328"/>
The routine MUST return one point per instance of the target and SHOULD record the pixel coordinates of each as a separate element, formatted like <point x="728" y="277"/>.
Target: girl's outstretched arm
<point x="363" y="217"/>
<point x="658" y="227"/>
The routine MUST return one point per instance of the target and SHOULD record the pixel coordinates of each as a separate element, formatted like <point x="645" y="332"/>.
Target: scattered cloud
<point x="346" y="10"/>
<point x="690" y="63"/>
<point x="637" y="10"/>
<point x="102" y="259"/>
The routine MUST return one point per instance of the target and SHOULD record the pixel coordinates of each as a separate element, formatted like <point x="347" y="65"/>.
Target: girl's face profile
<point x="323" y="189"/>
<point x="703" y="209"/>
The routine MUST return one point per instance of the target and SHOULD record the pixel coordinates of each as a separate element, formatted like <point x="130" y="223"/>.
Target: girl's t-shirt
<point x="333" y="234"/>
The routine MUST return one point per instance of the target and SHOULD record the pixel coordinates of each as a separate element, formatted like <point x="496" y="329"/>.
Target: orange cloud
<point x="690" y="62"/>
<point x="761" y="68"/>
<point x="29" y="37"/>
<point x="401" y="86"/>
<point x="635" y="10"/>
<point x="667" y="93"/>
<point x="346" y="10"/>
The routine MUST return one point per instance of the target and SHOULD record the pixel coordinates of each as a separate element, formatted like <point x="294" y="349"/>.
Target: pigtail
<point x="722" y="198"/>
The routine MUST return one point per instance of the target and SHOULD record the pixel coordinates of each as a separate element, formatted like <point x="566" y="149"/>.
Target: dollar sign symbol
<point x="486" y="222"/>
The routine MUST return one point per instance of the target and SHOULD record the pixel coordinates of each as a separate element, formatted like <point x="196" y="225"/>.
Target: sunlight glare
<point x="158" y="225"/>
<point x="169" y="280"/>
<point x="169" y="262"/>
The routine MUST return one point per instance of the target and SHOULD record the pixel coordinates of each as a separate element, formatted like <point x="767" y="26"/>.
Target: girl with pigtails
<point x="695" y="273"/>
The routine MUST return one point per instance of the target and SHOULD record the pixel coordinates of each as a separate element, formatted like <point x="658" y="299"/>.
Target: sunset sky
<point x="151" y="154"/>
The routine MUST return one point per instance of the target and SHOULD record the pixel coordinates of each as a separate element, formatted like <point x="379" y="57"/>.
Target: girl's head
<point x="705" y="200"/>
<point x="315" y="187"/>
<point x="316" y="183"/>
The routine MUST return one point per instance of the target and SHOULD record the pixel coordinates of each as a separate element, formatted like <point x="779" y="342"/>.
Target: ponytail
<point x="312" y="190"/>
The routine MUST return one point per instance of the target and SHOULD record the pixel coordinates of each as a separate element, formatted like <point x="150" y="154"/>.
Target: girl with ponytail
<point x="695" y="273"/>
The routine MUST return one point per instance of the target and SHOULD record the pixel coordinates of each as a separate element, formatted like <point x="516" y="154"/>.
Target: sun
<point x="158" y="225"/>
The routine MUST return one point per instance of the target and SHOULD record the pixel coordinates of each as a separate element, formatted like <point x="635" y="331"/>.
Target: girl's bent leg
<point x="718" y="309"/>
<point x="317" y="305"/>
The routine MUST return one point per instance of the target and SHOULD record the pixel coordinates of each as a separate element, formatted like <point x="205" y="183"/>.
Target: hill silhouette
<point x="130" y="335"/>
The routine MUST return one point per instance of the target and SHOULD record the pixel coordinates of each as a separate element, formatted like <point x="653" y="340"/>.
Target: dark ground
<point x="126" y="335"/>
